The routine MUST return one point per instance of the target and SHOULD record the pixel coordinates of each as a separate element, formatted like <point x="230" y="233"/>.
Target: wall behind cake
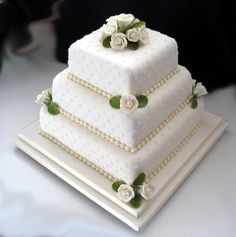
<point x="205" y="30"/>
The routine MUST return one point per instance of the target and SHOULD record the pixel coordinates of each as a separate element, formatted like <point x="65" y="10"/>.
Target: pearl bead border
<point x="96" y="131"/>
<point x="117" y="142"/>
<point x="107" y="175"/>
<point x="171" y="155"/>
<point x="76" y="155"/>
<point x="88" y="85"/>
<point x="162" y="82"/>
<point x="100" y="91"/>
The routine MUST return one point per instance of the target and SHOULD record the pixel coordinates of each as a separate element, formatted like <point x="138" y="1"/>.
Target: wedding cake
<point x="123" y="106"/>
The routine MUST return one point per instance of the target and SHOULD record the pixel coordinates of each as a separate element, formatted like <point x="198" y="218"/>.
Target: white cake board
<point x="83" y="178"/>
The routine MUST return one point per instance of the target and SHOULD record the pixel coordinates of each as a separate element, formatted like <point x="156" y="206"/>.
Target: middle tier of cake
<point x="80" y="103"/>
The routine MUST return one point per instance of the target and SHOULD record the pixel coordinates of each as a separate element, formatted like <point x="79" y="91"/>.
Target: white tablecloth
<point x="34" y="202"/>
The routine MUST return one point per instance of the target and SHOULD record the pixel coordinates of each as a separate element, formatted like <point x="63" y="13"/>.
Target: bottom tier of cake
<point x="115" y="162"/>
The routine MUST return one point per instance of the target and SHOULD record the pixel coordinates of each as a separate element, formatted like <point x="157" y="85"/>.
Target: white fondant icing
<point x="126" y="72"/>
<point x="115" y="161"/>
<point x="132" y="128"/>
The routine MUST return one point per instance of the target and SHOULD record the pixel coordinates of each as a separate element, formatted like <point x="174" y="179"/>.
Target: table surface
<point x="34" y="202"/>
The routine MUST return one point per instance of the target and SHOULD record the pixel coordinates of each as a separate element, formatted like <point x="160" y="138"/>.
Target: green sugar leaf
<point x="53" y="108"/>
<point x="133" y="45"/>
<point x="116" y="184"/>
<point x="142" y="100"/>
<point x="106" y="42"/>
<point x="136" y="201"/>
<point x="194" y="102"/>
<point x="50" y="95"/>
<point x="139" y="24"/>
<point x="47" y="102"/>
<point x="123" y="29"/>
<point x="139" y="180"/>
<point x="115" y="102"/>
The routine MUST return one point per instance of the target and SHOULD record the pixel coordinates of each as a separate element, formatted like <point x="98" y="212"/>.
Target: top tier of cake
<point x="129" y="72"/>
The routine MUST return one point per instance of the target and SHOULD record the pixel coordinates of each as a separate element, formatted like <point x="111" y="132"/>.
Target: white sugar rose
<point x="199" y="90"/>
<point x="103" y="36"/>
<point x="136" y="20"/>
<point x="118" y="41"/>
<point x="125" y="193"/>
<point x="44" y="96"/>
<point x="143" y="35"/>
<point x="194" y="82"/>
<point x="132" y="35"/>
<point x="110" y="28"/>
<point x="128" y="103"/>
<point x="124" y="19"/>
<point x="147" y="191"/>
<point x="111" y="18"/>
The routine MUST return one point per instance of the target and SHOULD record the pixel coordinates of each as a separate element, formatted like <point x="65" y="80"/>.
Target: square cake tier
<point x="109" y="159"/>
<point x="129" y="72"/>
<point x="128" y="130"/>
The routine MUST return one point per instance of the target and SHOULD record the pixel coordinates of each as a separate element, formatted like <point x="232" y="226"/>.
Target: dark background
<point x="205" y="30"/>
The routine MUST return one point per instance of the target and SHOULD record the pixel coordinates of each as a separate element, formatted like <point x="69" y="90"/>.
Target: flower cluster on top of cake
<point x="124" y="31"/>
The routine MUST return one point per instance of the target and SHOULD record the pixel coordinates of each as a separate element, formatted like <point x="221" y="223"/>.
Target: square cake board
<point x="82" y="177"/>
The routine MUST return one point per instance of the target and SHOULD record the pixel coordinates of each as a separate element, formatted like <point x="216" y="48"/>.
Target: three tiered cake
<point x="123" y="106"/>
